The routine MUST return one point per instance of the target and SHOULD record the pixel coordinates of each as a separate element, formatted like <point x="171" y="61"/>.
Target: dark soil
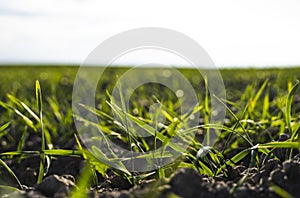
<point x="240" y="181"/>
<point x="187" y="183"/>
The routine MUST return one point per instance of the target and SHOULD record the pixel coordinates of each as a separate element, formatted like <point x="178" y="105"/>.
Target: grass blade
<point x="23" y="105"/>
<point x="280" y="145"/>
<point x="38" y="94"/>
<point x="281" y="192"/>
<point x="3" y="127"/>
<point x="257" y="95"/>
<point x="289" y="107"/>
<point x="2" y="163"/>
<point x="236" y="118"/>
<point x="6" y="190"/>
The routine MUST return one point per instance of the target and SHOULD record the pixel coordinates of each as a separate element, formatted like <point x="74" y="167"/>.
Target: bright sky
<point x="233" y="32"/>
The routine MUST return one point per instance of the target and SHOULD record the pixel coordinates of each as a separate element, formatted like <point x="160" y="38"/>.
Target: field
<point x="256" y="152"/>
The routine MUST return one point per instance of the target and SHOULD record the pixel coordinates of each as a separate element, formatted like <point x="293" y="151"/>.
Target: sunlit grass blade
<point x="52" y="152"/>
<point x="6" y="106"/>
<point x="266" y="106"/>
<point x="63" y="152"/>
<point x="205" y="169"/>
<point x="24" y="153"/>
<point x="280" y="145"/>
<point x="280" y="191"/>
<point x="288" y="113"/>
<point x="3" y="127"/>
<point x="83" y="183"/>
<point x="55" y="108"/>
<point x="38" y="94"/>
<point x="206" y="111"/>
<point x="23" y="105"/>
<point x="257" y="95"/>
<point x="26" y="119"/>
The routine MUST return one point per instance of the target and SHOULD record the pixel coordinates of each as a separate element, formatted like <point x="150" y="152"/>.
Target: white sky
<point x="233" y="32"/>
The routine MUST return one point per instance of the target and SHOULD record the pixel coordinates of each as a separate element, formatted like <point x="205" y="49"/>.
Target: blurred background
<point x="235" y="33"/>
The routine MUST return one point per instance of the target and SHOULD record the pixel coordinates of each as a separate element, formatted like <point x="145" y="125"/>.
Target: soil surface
<point x="187" y="183"/>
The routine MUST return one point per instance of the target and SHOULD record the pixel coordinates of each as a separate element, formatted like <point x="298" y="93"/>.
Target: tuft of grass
<point x="256" y="116"/>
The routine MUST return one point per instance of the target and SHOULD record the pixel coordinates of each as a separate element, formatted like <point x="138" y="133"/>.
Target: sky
<point x="252" y="33"/>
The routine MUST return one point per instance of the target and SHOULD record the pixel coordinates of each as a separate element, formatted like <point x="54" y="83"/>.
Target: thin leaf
<point x="2" y="163"/>
<point x="279" y="145"/>
<point x="238" y="157"/>
<point x="236" y="118"/>
<point x="280" y="191"/>
<point x="288" y="112"/>
<point x="4" y="126"/>
<point x="22" y="104"/>
<point x="257" y="95"/>
<point x="38" y="93"/>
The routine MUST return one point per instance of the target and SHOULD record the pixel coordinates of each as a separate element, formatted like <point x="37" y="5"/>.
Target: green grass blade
<point x="24" y="153"/>
<point x="238" y="157"/>
<point x="63" y="152"/>
<point x="26" y="119"/>
<point x="22" y="139"/>
<point x="38" y="94"/>
<point x="23" y="105"/>
<point x="99" y="154"/>
<point x="55" y="108"/>
<point x="2" y="163"/>
<point x="83" y="183"/>
<point x="281" y="192"/>
<point x="97" y="112"/>
<point x="5" y="126"/>
<point x="147" y="128"/>
<point x="236" y="118"/>
<point x="257" y="95"/>
<point x="205" y="169"/>
<point x="266" y="106"/>
<point x="222" y="127"/>
<point x="156" y="154"/>
<point x="206" y="112"/>
<point x="6" y="190"/>
<point x="280" y="145"/>
<point x="288" y="113"/>
<point x="151" y="130"/>
<point x="14" y="100"/>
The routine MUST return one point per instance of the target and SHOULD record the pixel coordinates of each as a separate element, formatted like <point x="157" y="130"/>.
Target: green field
<point x="261" y="105"/>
